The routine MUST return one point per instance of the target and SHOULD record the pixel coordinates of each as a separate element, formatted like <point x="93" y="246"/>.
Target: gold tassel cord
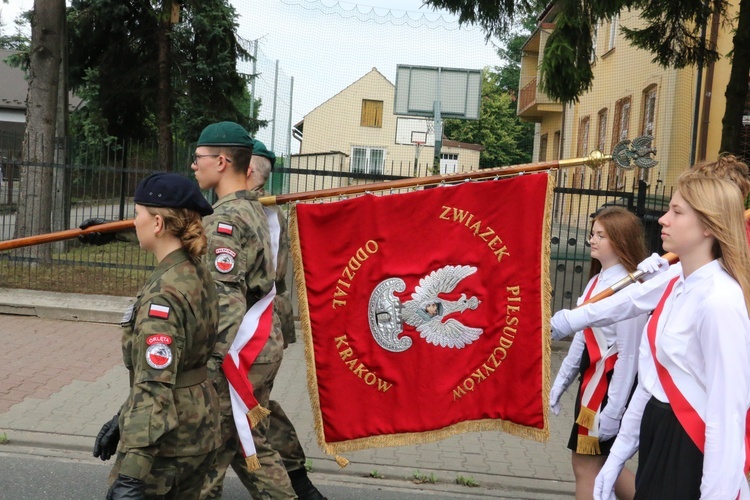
<point x="343" y="462"/>
<point x="588" y="445"/>
<point x="252" y="462"/>
<point x="586" y="417"/>
<point x="546" y="298"/>
<point x="257" y="414"/>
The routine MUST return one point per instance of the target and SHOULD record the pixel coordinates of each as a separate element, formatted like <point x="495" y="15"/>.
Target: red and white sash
<point x="594" y="385"/>
<point x="253" y="334"/>
<point x="686" y="414"/>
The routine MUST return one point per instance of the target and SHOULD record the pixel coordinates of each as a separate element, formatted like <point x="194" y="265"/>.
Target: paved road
<point x="61" y="378"/>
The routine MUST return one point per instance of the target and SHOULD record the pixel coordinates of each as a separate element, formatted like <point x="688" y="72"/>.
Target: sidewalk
<point x="61" y="379"/>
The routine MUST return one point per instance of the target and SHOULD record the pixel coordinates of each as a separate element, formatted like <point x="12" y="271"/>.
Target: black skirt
<point x="670" y="465"/>
<point x="573" y="440"/>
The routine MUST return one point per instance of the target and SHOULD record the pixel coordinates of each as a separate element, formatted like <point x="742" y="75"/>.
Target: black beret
<point x="171" y="191"/>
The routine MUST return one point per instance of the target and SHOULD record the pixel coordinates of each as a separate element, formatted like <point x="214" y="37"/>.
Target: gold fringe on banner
<point x="586" y="417"/>
<point x="252" y="463"/>
<point x="588" y="445"/>
<point x="343" y="462"/>
<point x="257" y="414"/>
<point x="414" y="438"/>
<point x="547" y="299"/>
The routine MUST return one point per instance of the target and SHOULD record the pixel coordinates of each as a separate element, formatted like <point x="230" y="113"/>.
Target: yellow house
<point x="357" y="132"/>
<point x="631" y="96"/>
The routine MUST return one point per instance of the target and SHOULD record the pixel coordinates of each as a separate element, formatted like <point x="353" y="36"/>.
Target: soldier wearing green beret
<point x="168" y="428"/>
<point x="241" y="263"/>
<point x="278" y="430"/>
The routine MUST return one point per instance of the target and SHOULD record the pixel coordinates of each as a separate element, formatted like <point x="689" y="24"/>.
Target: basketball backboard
<point x="410" y="129"/>
<point x="457" y="90"/>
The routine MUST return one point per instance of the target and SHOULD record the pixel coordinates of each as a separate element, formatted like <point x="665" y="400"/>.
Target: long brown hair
<point x="625" y="233"/>
<point x="187" y="226"/>
<point x="720" y="208"/>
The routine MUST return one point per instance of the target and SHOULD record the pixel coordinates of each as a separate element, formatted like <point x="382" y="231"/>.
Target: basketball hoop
<point x="418" y="139"/>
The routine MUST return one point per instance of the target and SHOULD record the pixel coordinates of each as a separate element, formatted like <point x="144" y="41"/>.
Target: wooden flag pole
<point x="625" y="153"/>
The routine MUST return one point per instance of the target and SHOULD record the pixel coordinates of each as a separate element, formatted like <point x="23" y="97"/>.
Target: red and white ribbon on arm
<point x="252" y="336"/>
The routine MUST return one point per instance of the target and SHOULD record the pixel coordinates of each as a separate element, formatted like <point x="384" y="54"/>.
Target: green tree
<point x="145" y="73"/>
<point x="506" y="140"/>
<point x="35" y="207"/>
<point x="673" y="35"/>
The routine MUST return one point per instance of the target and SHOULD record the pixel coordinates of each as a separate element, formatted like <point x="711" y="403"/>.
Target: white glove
<point x="608" y="427"/>
<point x="554" y="398"/>
<point x="604" y="486"/>
<point x="560" y="325"/>
<point x="653" y="265"/>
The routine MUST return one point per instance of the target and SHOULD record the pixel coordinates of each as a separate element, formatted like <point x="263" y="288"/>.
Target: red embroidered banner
<point x="423" y="312"/>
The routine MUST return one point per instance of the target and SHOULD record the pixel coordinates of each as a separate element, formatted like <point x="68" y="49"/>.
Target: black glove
<point x="127" y="488"/>
<point x="96" y="238"/>
<point x="106" y="441"/>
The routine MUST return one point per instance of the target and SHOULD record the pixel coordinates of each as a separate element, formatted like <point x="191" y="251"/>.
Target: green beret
<point x="259" y="149"/>
<point x="225" y="134"/>
<point x="170" y="190"/>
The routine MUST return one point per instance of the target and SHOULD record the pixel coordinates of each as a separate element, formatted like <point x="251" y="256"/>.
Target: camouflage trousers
<point x="175" y="478"/>
<point x="271" y="481"/>
<point x="283" y="438"/>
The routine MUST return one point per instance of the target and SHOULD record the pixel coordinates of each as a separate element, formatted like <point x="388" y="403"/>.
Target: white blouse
<point x="626" y="334"/>
<point x="703" y="340"/>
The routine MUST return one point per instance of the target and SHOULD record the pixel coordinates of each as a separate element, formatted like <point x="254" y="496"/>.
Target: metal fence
<point x="100" y="181"/>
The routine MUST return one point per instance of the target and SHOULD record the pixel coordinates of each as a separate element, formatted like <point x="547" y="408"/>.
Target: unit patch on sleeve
<point x="224" y="228"/>
<point x="224" y="261"/>
<point x="157" y="311"/>
<point x="159" y="356"/>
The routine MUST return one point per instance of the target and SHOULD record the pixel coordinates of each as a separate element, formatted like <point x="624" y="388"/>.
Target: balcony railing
<point x="528" y="95"/>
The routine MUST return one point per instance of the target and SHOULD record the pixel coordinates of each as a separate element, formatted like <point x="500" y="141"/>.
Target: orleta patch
<point x="224" y="261"/>
<point x="158" y="339"/>
<point x="158" y="311"/>
<point x="159" y="356"/>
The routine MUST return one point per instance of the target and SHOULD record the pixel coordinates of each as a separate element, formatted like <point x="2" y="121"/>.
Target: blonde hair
<point x="719" y="205"/>
<point x="186" y="225"/>
<point x="626" y="235"/>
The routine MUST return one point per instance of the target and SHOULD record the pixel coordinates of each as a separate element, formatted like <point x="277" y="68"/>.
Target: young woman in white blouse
<point x="687" y="415"/>
<point x="605" y="359"/>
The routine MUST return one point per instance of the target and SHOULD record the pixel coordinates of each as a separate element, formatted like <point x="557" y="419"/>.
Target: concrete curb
<point x="64" y="306"/>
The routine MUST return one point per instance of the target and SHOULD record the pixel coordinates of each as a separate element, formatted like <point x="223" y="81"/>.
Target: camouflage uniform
<point x="238" y="228"/>
<point x="169" y="425"/>
<point x="278" y="431"/>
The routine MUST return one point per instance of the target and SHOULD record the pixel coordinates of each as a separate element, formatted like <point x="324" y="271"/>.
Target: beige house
<point x="631" y="96"/>
<point x="355" y="131"/>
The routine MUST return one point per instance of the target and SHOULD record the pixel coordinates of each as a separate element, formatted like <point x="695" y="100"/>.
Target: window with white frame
<point x="614" y="24"/>
<point x="594" y="38"/>
<point x="367" y="160"/>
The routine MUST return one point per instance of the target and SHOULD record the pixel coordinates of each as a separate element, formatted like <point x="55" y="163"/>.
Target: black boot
<point x="303" y="487"/>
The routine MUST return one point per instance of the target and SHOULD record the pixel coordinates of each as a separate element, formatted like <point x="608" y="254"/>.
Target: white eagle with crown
<point x="426" y="311"/>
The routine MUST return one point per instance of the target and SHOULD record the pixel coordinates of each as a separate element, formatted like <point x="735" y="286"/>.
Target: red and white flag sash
<point x="594" y="383"/>
<point x="688" y="417"/>
<point x="251" y="337"/>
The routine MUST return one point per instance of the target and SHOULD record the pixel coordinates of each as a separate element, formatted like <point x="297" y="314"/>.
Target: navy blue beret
<point x="171" y="191"/>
